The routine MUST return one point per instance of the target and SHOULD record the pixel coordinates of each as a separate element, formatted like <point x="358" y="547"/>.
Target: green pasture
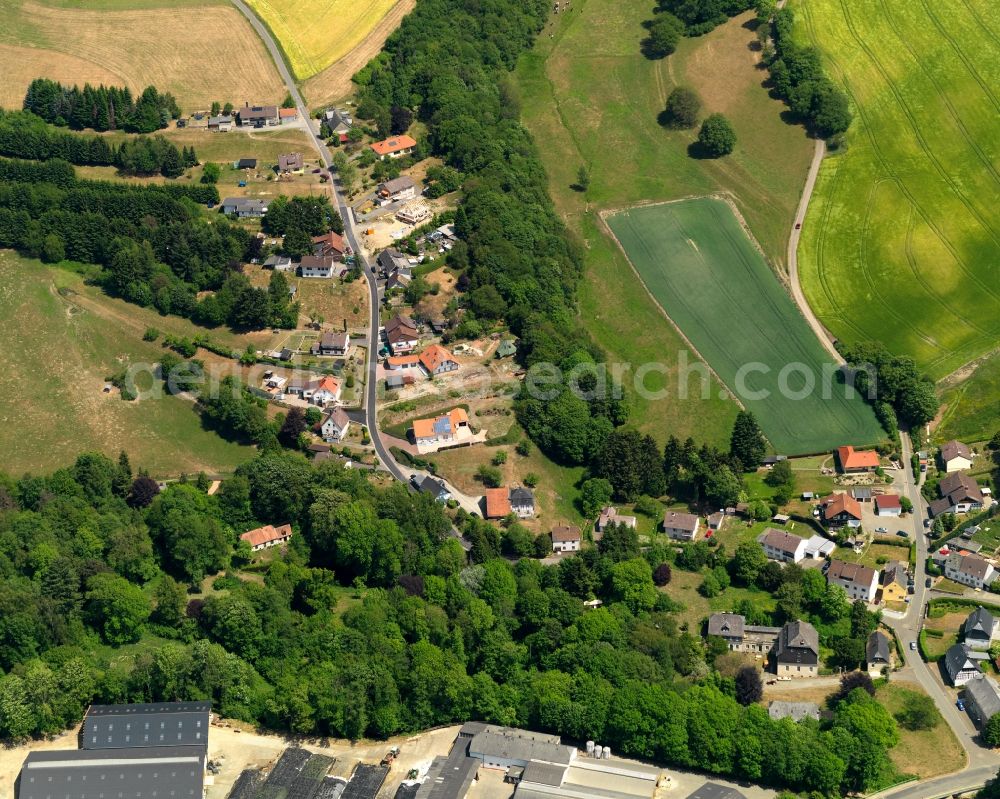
<point x="902" y="239"/>
<point x="707" y="275"/>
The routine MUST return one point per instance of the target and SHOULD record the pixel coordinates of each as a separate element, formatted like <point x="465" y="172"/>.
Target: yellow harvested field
<point x="334" y="82"/>
<point x="316" y="33"/>
<point x="198" y="53"/>
<point x="21" y="65"/>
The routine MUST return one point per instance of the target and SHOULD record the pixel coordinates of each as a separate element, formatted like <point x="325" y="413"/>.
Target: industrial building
<point x="176" y="772"/>
<point x="156" y="724"/>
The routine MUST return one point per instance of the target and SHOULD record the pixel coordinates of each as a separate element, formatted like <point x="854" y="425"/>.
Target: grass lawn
<point x="921" y="753"/>
<point x="950" y="624"/>
<point x="708" y="276"/>
<point x="683" y="587"/>
<point x="901" y="240"/>
<point x="871" y="555"/>
<point x="62" y="338"/>
<point x="199" y="50"/>
<point x="587" y="67"/>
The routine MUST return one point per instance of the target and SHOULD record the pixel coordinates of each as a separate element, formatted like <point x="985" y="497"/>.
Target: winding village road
<point x="469" y="503"/>
<point x="983" y="763"/>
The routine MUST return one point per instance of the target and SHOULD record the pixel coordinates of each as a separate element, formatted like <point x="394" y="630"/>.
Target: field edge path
<point x="819" y="151"/>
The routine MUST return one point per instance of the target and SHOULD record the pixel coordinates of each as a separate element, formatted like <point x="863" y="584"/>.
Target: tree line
<point x="151" y="242"/>
<point x="24" y="135"/>
<point x="797" y="76"/>
<point x="450" y="62"/>
<point x="100" y="108"/>
<point x="95" y="562"/>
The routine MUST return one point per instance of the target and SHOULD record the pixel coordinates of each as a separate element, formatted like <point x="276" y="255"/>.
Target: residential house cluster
<point x="794" y="646"/>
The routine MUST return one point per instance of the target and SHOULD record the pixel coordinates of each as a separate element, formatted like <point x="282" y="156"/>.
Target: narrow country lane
<point x="470" y="504"/>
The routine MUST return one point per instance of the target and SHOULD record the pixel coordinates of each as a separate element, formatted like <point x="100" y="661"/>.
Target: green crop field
<point x="705" y="272"/>
<point x="61" y="339"/>
<point x="589" y="97"/>
<point x="902" y="239"/>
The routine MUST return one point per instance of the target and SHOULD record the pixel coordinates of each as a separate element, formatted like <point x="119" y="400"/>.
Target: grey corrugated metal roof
<point x="713" y="790"/>
<point x="513" y="747"/>
<point x="986" y="696"/>
<point x="159" y="772"/>
<point x="543" y="773"/>
<point x="161" y="724"/>
<point x="793" y="710"/>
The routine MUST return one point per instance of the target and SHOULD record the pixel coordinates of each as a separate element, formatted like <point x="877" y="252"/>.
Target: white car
<point x="881" y="529"/>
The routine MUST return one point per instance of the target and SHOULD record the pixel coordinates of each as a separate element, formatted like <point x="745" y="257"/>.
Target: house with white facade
<point x="781" y="546"/>
<point x="860" y="582"/>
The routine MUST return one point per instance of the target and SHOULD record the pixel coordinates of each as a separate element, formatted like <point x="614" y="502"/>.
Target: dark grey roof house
<point x="137" y="726"/>
<point x="979" y="628"/>
<point x="877" y="650"/>
<point x="982" y="699"/>
<point x="713" y="790"/>
<point x="797" y="649"/>
<point x="961" y="668"/>
<point x="436" y="488"/>
<point x="168" y="771"/>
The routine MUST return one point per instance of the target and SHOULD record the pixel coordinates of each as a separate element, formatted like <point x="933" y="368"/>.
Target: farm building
<point x="796" y="711"/>
<point x="245" y="163"/>
<point x="244" y="207"/>
<point x="396" y="147"/>
<point x="267" y="536"/>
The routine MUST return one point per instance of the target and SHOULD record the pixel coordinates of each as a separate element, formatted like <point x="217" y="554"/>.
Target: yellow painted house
<point x="894" y="580"/>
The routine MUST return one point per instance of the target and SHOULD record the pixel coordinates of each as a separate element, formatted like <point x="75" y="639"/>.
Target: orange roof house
<point x="394" y="147"/>
<point x="497" y="503"/>
<point x="857" y="460"/>
<point x="840" y="509"/>
<point x="437" y="360"/>
<point x="267" y="536"/>
<point x="402" y="361"/>
<point x="330" y="244"/>
<point x="287" y="113"/>
<point x="441" y="428"/>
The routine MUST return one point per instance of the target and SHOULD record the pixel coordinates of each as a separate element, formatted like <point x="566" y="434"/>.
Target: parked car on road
<point x="960" y="705"/>
<point x="881" y="529"/>
<point x="913" y="646"/>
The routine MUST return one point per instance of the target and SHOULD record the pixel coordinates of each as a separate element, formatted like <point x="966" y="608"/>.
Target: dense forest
<point x="449" y="62"/>
<point x="101" y="108"/>
<point x="153" y="243"/>
<point x="24" y="135"/>
<point x="374" y="623"/>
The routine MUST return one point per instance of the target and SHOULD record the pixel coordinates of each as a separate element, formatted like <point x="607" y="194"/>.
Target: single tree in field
<point x="582" y="179"/>
<point x="747" y="442"/>
<point x="665" y="30"/>
<point x="716" y="137"/>
<point x="682" y="108"/>
<point x="749" y="686"/>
